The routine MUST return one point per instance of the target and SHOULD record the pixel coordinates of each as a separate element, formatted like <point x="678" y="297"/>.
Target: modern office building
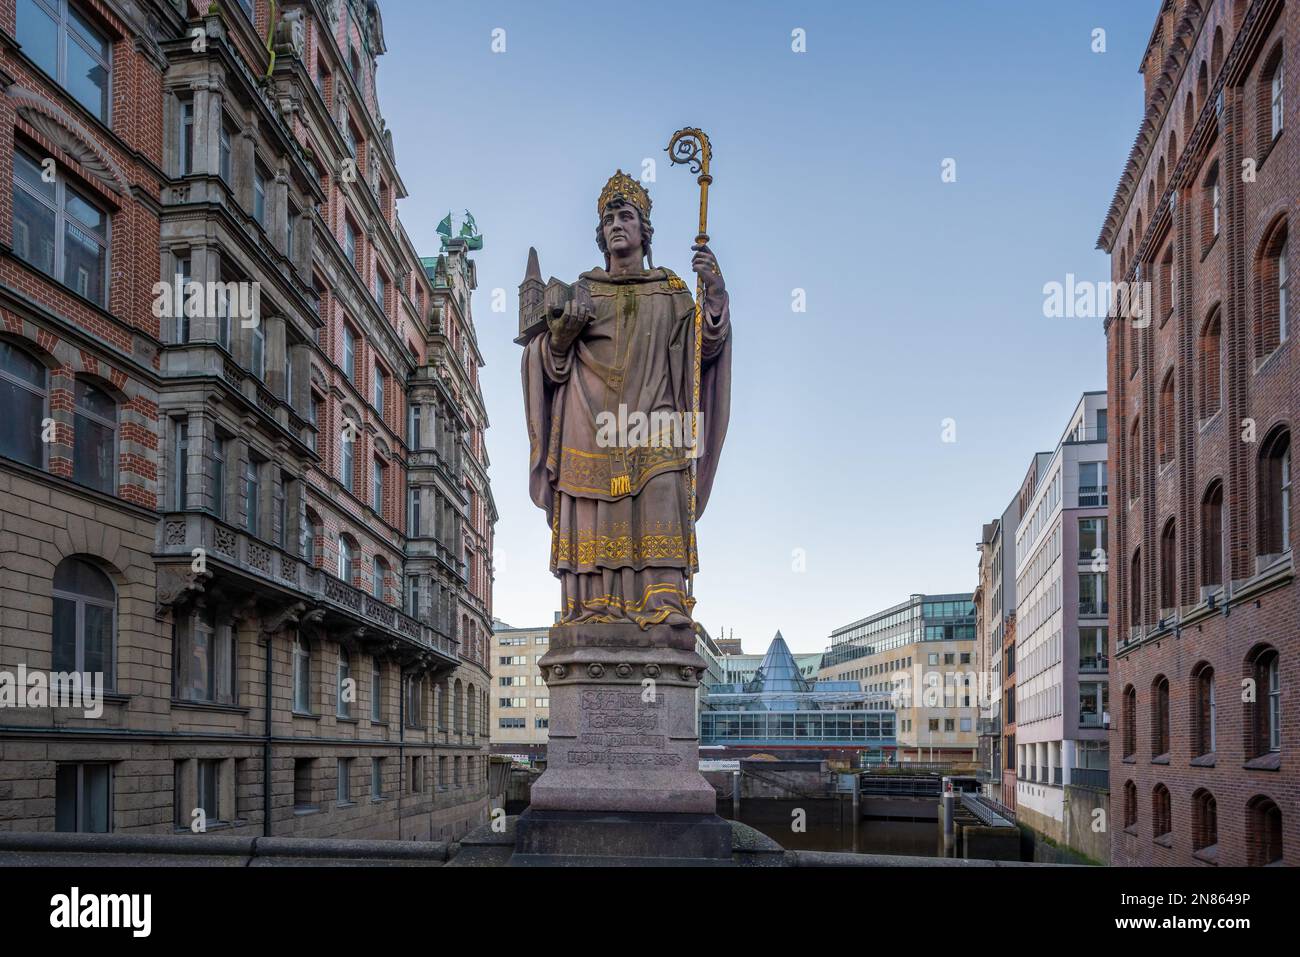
<point x="520" y="710"/>
<point x="1060" y="547"/>
<point x="916" y="660"/>
<point x="995" y="603"/>
<point x="223" y="365"/>
<point x="1204" y="395"/>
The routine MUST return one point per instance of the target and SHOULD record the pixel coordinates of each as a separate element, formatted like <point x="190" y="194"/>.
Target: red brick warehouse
<point x="1203" y="397"/>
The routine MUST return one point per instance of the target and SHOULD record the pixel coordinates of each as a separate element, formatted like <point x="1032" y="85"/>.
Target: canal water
<point x="828" y="825"/>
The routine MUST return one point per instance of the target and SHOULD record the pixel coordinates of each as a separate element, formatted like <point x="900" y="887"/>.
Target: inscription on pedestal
<point x="612" y="720"/>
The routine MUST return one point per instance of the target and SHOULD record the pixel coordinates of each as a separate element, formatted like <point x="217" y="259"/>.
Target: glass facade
<point x="866" y="728"/>
<point x="920" y="618"/>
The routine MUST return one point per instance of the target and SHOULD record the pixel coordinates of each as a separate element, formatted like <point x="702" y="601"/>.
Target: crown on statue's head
<point x="624" y="187"/>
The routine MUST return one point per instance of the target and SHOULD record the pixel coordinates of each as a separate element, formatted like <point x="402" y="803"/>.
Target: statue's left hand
<point x="705" y="264"/>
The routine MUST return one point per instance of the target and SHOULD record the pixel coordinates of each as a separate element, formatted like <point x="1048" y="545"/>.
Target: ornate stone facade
<point x="295" y="643"/>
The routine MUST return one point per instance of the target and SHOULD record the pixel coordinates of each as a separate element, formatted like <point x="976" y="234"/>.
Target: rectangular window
<point x="376" y="778"/>
<point x="258" y="355"/>
<point x="180" y="462"/>
<point x="223" y="150"/>
<point x="217" y="477"/>
<point x="94" y="443"/>
<point x="252" y="495"/>
<point x="417" y="775"/>
<point x="304" y="794"/>
<point x="203" y="659"/>
<point x="1282" y="276"/>
<point x="345" y="781"/>
<point x="59" y="231"/>
<point x="1093" y="492"/>
<point x="381" y="290"/>
<point x="379" y="389"/>
<point x="949" y="724"/>
<point x="378" y="490"/>
<point x="209" y="790"/>
<point x="346" y="470"/>
<point x="185" y="144"/>
<point x="349" y="353"/>
<point x="1278" y="110"/>
<point x="63" y="43"/>
<point x="181" y="294"/>
<point x="290" y="220"/>
<point x="83" y="798"/>
<point x="413" y="514"/>
<point x="350" y="240"/>
<point x="376" y="692"/>
<point x="260" y="179"/>
<point x="413" y="428"/>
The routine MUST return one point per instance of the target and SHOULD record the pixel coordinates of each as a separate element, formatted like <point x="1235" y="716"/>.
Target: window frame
<point x="79" y="603"/>
<point x="62" y="220"/>
<point x="64" y="34"/>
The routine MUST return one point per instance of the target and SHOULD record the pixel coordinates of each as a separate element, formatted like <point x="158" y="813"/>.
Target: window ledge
<point x="1203" y="761"/>
<point x="345" y="804"/>
<point x="1129" y="759"/>
<point x="1265" y="762"/>
<point x="306" y="715"/>
<point x="1131" y="830"/>
<point x="1210" y="855"/>
<point x="1204" y="424"/>
<point x="1264" y="361"/>
<point x="1161" y="758"/>
<point x="1164" y="840"/>
<point x="214" y="706"/>
<point x="346" y="719"/>
<point x="378" y="724"/>
<point x="1214" y="241"/>
<point x="304" y="811"/>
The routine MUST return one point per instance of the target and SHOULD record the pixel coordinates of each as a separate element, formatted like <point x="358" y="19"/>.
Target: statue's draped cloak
<point x="621" y="535"/>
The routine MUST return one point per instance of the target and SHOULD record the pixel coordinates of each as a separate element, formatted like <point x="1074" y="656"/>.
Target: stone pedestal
<point x="622" y="722"/>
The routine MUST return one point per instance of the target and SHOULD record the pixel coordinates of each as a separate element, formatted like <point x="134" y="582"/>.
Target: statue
<point x="627" y="412"/>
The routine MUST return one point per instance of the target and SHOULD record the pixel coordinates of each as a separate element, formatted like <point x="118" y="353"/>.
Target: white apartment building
<point x="1061" y="612"/>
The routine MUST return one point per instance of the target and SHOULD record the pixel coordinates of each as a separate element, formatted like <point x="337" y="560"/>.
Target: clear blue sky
<point x="924" y="298"/>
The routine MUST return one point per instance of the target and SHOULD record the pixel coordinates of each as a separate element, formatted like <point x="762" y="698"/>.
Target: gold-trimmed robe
<point x="621" y="535"/>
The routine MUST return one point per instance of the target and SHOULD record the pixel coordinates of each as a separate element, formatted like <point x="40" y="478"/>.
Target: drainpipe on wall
<point x="401" y="741"/>
<point x="266" y="745"/>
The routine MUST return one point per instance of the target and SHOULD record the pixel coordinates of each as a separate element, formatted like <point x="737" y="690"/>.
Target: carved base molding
<point x="622" y="721"/>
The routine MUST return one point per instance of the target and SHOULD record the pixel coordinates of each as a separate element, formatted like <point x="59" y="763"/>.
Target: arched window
<point x="458" y="709"/>
<point x="1159" y="718"/>
<point x="1135" y="590"/>
<point x="1205" y="821"/>
<point x="1272" y="307"/>
<point x="346" y="549"/>
<point x="1167" y="281"/>
<point x="471" y="709"/>
<point x="347" y="464"/>
<point x="1210" y="364"/>
<point x="379" y="577"/>
<point x="1130" y="804"/>
<point x="1130" y="721"/>
<point x="1211" y="206"/>
<point x="1165" y="438"/>
<point x="1216" y="52"/>
<point x="1189" y="116"/>
<point x="1160" y="181"/>
<point x="1203" y="711"/>
<point x="1202" y="83"/>
<point x="1275" y="493"/>
<point x="24" y="393"/>
<point x="1263" y="708"/>
<point x="301" y="675"/>
<point x="1212" y="536"/>
<point x="1134" y="458"/>
<point x="1264" y="836"/>
<point x="94" y="453"/>
<point x="1168" y="568"/>
<point x="346" y="689"/>
<point x="1161" y="812"/>
<point x="1270" y="108"/>
<point x="444" y="706"/>
<point x="85" y="620"/>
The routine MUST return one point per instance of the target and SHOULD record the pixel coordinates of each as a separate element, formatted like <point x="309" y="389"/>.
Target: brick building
<point x="262" y="515"/>
<point x="1203" y="396"/>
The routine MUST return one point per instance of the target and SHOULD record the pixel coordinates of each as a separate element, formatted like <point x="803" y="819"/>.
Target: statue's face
<point x="622" y="229"/>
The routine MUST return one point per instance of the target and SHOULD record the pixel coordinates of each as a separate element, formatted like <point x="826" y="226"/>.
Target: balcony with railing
<point x="1093" y="607"/>
<point x="1094" y="663"/>
<point x="248" y="561"/>
<point x="1094" y="496"/>
<point x="1096" y="778"/>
